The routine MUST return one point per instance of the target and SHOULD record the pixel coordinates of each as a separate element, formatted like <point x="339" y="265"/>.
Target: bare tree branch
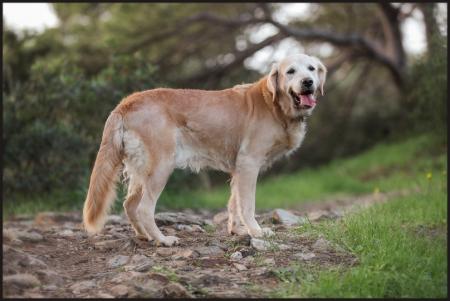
<point x="239" y="57"/>
<point x="356" y="41"/>
<point x="391" y="29"/>
<point x="242" y="20"/>
<point x="391" y="54"/>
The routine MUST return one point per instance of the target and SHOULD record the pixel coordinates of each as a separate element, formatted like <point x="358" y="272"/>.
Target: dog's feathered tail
<point x="102" y="185"/>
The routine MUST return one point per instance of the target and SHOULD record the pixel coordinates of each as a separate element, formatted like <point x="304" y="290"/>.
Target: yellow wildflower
<point x="429" y="176"/>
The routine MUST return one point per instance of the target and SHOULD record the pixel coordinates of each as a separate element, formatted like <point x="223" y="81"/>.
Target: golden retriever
<point x="241" y="131"/>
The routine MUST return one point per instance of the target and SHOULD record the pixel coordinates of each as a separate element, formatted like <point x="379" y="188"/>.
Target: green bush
<point x="53" y="122"/>
<point x="427" y="90"/>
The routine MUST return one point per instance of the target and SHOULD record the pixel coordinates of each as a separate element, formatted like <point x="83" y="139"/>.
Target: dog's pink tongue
<point x="307" y="100"/>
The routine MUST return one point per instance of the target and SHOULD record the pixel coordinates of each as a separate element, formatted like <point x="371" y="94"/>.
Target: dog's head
<point x="295" y="83"/>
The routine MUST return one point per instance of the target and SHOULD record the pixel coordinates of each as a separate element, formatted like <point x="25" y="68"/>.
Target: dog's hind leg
<point x="151" y="190"/>
<point x="130" y="205"/>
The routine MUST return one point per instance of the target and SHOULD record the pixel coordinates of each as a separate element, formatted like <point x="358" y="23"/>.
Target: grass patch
<point x="395" y="261"/>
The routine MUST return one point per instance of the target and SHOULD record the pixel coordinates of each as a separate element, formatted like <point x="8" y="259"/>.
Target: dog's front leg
<point x="235" y="225"/>
<point x="246" y="177"/>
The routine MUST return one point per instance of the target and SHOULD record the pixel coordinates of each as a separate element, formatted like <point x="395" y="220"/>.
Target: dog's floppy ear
<point x="322" y="74"/>
<point x="272" y="81"/>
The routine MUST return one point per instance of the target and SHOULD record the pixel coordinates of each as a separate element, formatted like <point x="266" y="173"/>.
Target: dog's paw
<point x="238" y="230"/>
<point x="169" y="241"/>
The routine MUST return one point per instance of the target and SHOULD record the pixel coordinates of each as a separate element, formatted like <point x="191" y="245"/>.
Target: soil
<point x="50" y="255"/>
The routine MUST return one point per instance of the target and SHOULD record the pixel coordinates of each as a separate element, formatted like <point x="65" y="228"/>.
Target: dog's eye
<point x="311" y="68"/>
<point x="291" y="71"/>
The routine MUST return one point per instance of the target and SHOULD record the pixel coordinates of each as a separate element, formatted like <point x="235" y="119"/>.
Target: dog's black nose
<point x="307" y="82"/>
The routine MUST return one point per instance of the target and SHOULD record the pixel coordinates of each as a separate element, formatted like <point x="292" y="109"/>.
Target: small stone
<point x="33" y="295"/>
<point x="323" y="214"/>
<point x="321" y="244"/>
<point x="66" y="233"/>
<point x="305" y="256"/>
<point x="236" y="256"/>
<point x="176" y="264"/>
<point x="260" y="245"/>
<point x="186" y="253"/>
<point x="82" y="286"/>
<point x="287" y="218"/>
<point x="119" y="290"/>
<point x="107" y="244"/>
<point x="165" y="251"/>
<point x="170" y="218"/>
<point x="176" y="290"/>
<point x="159" y="277"/>
<point x="240" y="267"/>
<point x="50" y="276"/>
<point x="33" y="261"/>
<point x="30" y="236"/>
<point x="114" y="220"/>
<point x="210" y="251"/>
<point x="21" y="280"/>
<point x="118" y="261"/>
<point x="284" y="247"/>
<point x="182" y="227"/>
<point x="169" y="231"/>
<point x="139" y="258"/>
<point x="105" y="295"/>
<point x="50" y="287"/>
<point x="143" y="267"/>
<point x="10" y="234"/>
<point x="122" y="277"/>
<point x="220" y="217"/>
<point x="146" y="288"/>
<point x="219" y="244"/>
<point x="197" y="228"/>
<point x="208" y="222"/>
<point x="139" y="263"/>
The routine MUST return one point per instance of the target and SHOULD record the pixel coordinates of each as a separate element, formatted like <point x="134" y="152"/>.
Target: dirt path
<point x="50" y="255"/>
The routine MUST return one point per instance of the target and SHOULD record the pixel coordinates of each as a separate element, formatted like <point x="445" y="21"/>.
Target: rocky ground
<point x="50" y="255"/>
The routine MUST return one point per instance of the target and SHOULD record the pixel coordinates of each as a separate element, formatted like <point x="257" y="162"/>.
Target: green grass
<point x="401" y="246"/>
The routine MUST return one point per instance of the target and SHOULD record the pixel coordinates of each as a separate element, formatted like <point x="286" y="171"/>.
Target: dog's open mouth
<point x="303" y="101"/>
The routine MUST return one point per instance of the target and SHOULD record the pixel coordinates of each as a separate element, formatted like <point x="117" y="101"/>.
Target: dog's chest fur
<point x="286" y="142"/>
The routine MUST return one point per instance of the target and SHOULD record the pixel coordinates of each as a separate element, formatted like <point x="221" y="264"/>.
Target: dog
<point x="240" y="130"/>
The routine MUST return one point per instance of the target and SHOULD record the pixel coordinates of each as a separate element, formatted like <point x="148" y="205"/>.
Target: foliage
<point x="53" y="122"/>
<point x="427" y="97"/>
